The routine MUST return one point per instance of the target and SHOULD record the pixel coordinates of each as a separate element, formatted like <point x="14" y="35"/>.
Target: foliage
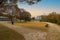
<point x="18" y="13"/>
<point x="15" y="1"/>
<point x="12" y="6"/>
<point x="24" y="15"/>
<point x="53" y="17"/>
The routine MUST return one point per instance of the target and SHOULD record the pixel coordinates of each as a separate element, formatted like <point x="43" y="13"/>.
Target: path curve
<point x="53" y="32"/>
<point x="29" y="34"/>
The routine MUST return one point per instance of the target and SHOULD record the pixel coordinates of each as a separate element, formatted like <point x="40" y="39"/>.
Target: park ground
<point x="29" y="31"/>
<point x="9" y="34"/>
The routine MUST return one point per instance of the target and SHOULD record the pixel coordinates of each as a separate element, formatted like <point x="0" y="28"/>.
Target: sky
<point x="41" y="8"/>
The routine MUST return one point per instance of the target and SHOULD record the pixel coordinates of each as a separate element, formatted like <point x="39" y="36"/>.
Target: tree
<point x="53" y="17"/>
<point x="13" y="3"/>
<point x="33" y="18"/>
<point x="30" y="2"/>
<point x="26" y="16"/>
<point x="23" y="15"/>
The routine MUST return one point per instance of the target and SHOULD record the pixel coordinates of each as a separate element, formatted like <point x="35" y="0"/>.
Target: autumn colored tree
<point x="23" y="15"/>
<point x="13" y="3"/>
<point x="53" y="17"/>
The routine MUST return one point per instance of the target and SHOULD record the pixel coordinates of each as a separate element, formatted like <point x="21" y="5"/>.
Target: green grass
<point x="34" y="25"/>
<point x="9" y="34"/>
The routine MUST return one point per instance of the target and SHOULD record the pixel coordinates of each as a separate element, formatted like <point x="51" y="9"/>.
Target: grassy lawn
<point x="34" y="25"/>
<point x="9" y="34"/>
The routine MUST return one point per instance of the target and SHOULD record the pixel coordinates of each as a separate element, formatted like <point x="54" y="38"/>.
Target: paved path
<point x="53" y="32"/>
<point x="32" y="34"/>
<point x="29" y="34"/>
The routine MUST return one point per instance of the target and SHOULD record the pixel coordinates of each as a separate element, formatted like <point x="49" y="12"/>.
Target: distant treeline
<point x="52" y="17"/>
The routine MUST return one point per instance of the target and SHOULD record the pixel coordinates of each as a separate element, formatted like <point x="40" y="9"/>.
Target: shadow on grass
<point x="9" y="34"/>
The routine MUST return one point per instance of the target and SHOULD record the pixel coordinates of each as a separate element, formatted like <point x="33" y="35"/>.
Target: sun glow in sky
<point x="42" y="8"/>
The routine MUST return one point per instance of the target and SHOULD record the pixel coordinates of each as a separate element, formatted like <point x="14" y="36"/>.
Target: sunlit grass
<point x="34" y="25"/>
<point x="9" y="34"/>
